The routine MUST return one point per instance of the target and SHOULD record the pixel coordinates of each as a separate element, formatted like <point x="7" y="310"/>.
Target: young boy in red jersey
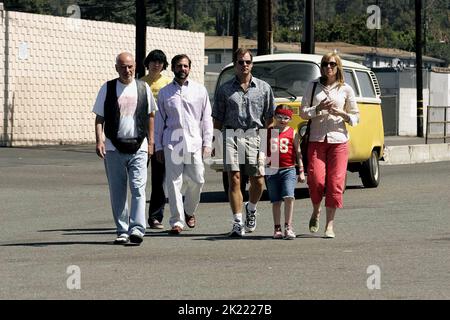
<point x="281" y="178"/>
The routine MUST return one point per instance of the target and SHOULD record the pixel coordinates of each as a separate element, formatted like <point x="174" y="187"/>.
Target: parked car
<point x="289" y="74"/>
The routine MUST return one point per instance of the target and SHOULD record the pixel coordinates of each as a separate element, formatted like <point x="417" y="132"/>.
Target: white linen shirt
<point x="184" y="115"/>
<point x="324" y="124"/>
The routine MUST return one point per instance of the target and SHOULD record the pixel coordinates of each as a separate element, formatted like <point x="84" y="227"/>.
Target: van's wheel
<point x="370" y="171"/>
<point x="244" y="181"/>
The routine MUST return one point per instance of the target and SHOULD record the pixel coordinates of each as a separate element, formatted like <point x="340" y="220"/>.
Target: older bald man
<point x="124" y="139"/>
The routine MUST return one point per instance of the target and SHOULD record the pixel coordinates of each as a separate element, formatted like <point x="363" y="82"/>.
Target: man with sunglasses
<point x="242" y="106"/>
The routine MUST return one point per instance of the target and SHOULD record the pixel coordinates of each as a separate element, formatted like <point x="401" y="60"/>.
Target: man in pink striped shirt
<point x="183" y="137"/>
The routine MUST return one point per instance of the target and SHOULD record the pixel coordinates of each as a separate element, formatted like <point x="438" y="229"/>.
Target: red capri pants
<point x="327" y="169"/>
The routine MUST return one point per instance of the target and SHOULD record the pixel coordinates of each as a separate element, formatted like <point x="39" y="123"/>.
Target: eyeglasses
<point x="241" y="62"/>
<point x="282" y="118"/>
<point x="326" y="64"/>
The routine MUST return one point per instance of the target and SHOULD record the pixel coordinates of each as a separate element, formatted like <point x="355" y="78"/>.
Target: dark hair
<point x="178" y="57"/>
<point x="241" y="52"/>
<point x="156" y="55"/>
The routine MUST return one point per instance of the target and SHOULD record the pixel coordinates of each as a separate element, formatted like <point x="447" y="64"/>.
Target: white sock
<point x="251" y="206"/>
<point x="237" y="217"/>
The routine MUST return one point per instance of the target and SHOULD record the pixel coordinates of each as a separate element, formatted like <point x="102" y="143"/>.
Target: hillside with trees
<point x="336" y="20"/>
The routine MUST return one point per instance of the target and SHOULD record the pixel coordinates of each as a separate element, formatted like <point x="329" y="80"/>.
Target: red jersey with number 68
<point x="281" y="148"/>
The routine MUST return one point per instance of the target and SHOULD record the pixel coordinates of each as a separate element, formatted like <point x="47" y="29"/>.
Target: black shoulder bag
<point x="305" y="138"/>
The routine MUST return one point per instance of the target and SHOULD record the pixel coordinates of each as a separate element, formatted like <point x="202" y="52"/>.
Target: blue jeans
<point x="281" y="184"/>
<point x="121" y="167"/>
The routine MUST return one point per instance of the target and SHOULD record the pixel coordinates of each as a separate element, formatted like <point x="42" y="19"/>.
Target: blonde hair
<point x="340" y="71"/>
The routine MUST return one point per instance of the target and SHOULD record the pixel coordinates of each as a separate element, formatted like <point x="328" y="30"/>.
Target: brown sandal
<point x="190" y="220"/>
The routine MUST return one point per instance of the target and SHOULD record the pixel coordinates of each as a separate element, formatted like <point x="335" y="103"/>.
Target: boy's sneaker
<point x="289" y="234"/>
<point x="238" y="230"/>
<point x="122" y="239"/>
<point x="250" y="219"/>
<point x="136" y="237"/>
<point x="277" y="234"/>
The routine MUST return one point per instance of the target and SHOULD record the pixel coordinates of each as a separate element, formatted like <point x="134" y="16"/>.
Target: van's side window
<point x="365" y="82"/>
<point x="349" y="79"/>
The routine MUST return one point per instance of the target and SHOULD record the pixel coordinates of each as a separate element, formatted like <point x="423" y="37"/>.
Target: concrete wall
<point x="440" y="89"/>
<point x="4" y="120"/>
<point x="440" y="96"/>
<point x="407" y="125"/>
<point x="55" y="66"/>
<point x="402" y="84"/>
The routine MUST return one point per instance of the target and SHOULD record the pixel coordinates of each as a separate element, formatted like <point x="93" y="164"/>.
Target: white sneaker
<point x="289" y="234"/>
<point x="122" y="239"/>
<point x="136" y="237"/>
<point x="238" y="230"/>
<point x="250" y="219"/>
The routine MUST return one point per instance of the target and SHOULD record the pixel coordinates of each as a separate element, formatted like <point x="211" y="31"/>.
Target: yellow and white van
<point x="289" y="74"/>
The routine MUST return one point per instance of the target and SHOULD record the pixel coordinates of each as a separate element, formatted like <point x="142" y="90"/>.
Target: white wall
<point x="439" y="89"/>
<point x="407" y="125"/>
<point x="52" y="85"/>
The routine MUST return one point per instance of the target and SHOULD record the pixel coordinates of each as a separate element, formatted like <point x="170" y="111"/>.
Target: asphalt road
<point x="391" y="242"/>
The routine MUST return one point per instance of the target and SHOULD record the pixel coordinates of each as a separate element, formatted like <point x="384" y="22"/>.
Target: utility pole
<point x="263" y="21"/>
<point x="141" y="35"/>
<point x="376" y="30"/>
<point x="419" y="78"/>
<point x="308" y="44"/>
<point x="270" y="23"/>
<point x="236" y="4"/>
<point x="425" y="28"/>
<point x="175" y="14"/>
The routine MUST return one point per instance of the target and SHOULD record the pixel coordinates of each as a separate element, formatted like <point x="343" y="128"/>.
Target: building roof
<point x="346" y="50"/>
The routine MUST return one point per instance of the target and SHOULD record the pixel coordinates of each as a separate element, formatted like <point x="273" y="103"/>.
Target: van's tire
<point x="244" y="181"/>
<point x="370" y="171"/>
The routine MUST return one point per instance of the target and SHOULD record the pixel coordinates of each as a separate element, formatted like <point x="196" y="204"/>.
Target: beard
<point x="181" y="75"/>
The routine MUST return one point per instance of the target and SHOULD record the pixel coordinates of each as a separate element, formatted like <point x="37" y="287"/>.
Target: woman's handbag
<point x="305" y="138"/>
<point x="304" y="146"/>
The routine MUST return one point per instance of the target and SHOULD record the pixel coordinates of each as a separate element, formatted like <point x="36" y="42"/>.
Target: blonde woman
<point x="333" y="105"/>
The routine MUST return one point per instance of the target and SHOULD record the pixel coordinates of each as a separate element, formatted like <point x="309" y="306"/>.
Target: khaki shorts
<point x="241" y="152"/>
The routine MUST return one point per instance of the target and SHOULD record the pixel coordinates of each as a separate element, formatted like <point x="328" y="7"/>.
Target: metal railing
<point x="432" y="111"/>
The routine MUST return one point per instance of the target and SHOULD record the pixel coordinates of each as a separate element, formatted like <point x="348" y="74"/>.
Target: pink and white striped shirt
<point x="184" y="116"/>
<point x="324" y="124"/>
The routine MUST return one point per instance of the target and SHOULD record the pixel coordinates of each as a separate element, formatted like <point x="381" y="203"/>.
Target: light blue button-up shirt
<point x="237" y="109"/>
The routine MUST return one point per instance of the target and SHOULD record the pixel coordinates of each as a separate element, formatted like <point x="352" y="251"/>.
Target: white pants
<point x="183" y="172"/>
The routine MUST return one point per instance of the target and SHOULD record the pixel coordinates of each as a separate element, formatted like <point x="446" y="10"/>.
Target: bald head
<point x="125" y="67"/>
<point x="124" y="55"/>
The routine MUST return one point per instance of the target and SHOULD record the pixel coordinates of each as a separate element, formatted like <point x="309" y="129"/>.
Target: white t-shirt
<point x="127" y="99"/>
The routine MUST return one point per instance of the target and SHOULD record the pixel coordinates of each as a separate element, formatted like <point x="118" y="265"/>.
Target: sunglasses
<point x="241" y="62"/>
<point x="326" y="64"/>
<point x="282" y="118"/>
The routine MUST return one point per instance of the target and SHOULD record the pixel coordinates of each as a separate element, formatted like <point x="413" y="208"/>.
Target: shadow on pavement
<point x="78" y="229"/>
<point x="60" y="243"/>
<point x="220" y="196"/>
